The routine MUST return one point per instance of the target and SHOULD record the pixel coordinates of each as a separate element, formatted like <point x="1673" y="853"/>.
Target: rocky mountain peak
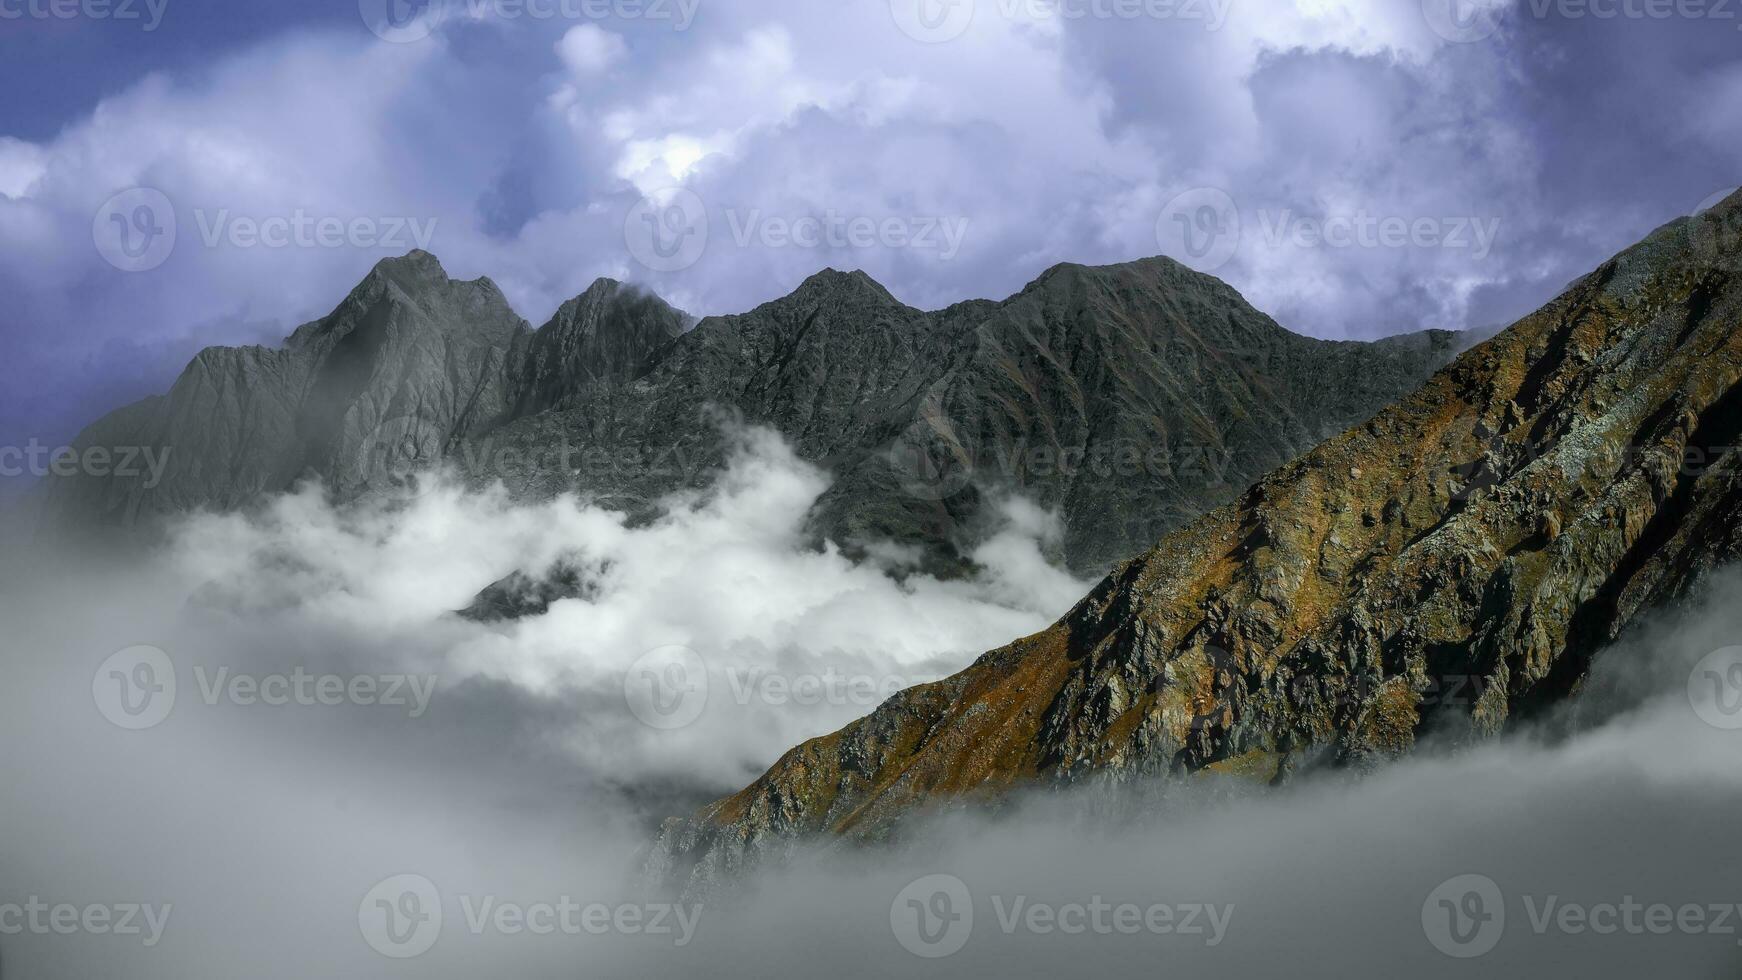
<point x="1191" y="313"/>
<point x="609" y="334"/>
<point x="413" y="276"/>
<point x="835" y="286"/>
<point x="591" y="310"/>
<point x="1157" y="272"/>
<point x="418" y="286"/>
<point x="601" y="288"/>
<point x="415" y="263"/>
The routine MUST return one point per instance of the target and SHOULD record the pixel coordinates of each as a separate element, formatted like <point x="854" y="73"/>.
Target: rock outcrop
<point x="1450" y="566"/>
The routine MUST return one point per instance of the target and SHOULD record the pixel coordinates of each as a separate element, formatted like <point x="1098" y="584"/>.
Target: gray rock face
<point x="407" y="365"/>
<point x="1451" y="566"/>
<point x="611" y="334"/>
<point x="1130" y="397"/>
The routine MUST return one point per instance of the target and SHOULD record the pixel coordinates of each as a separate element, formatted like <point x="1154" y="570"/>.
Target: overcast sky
<point x="1355" y="167"/>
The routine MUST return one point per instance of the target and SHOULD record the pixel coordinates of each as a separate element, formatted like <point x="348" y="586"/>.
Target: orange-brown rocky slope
<point x="1452" y="564"/>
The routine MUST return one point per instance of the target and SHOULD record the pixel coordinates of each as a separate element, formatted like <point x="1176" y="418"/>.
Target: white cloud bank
<point x="530" y="779"/>
<point x="793" y="642"/>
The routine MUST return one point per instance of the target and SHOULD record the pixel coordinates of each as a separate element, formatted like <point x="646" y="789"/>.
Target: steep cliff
<point x="1449" y="566"/>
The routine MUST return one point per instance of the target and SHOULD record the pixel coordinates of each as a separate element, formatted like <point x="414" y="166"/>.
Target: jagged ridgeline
<point x="1453" y="564"/>
<point x="1131" y="397"/>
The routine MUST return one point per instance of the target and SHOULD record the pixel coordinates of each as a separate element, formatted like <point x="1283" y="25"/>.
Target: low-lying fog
<point x="271" y="751"/>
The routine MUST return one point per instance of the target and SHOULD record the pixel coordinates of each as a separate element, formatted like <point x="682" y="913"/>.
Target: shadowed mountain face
<point x="1450" y="566"/>
<point x="1132" y="398"/>
<point x="410" y="366"/>
<point x="410" y="359"/>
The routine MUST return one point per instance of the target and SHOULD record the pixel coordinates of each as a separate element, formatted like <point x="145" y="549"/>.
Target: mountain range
<point x="1446" y="569"/>
<point x="1446" y="566"/>
<point x="1130" y="398"/>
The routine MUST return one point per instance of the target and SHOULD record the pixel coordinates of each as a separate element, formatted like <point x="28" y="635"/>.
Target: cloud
<point x="21" y="165"/>
<point x="787" y="643"/>
<point x="589" y="49"/>
<point x="529" y="780"/>
<point x="1048" y="131"/>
